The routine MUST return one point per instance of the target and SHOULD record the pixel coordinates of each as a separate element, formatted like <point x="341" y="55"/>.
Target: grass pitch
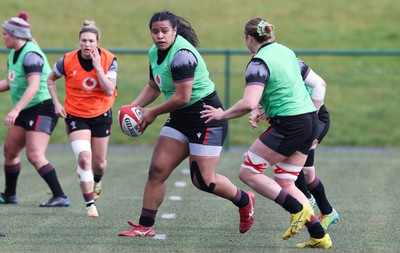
<point x="360" y="183"/>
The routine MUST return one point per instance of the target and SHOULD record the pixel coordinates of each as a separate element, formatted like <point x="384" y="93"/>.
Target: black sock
<point x="315" y="229"/>
<point x="148" y="217"/>
<point x="97" y="178"/>
<point x="302" y="185"/>
<point x="11" y="173"/>
<point x="289" y="203"/>
<point x="318" y="191"/>
<point x="241" y="199"/>
<point x="89" y="204"/>
<point x="89" y="198"/>
<point x="48" y="173"/>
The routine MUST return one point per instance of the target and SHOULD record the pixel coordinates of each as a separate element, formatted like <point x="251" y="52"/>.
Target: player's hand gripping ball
<point x="129" y="118"/>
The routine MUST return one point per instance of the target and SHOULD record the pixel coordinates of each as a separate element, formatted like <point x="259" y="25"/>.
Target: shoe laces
<point x="50" y="199"/>
<point x="135" y="226"/>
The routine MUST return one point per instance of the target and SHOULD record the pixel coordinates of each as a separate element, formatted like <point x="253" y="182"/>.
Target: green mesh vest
<point x="285" y="93"/>
<point x="18" y="81"/>
<point x="162" y="75"/>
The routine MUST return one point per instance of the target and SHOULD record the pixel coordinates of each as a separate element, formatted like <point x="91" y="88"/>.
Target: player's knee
<point x="85" y="160"/>
<point x="35" y="158"/>
<point x="80" y="146"/>
<point x="309" y="174"/>
<point x="286" y="171"/>
<point x="99" y="165"/>
<point x="198" y="180"/>
<point x="286" y="183"/>
<point x="254" y="163"/>
<point x="246" y="175"/>
<point x="158" y="172"/>
<point x="8" y="153"/>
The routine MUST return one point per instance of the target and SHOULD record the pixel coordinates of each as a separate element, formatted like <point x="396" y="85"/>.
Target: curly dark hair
<point x="183" y="27"/>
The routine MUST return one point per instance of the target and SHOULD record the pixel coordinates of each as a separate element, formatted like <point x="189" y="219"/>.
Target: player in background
<point x="32" y="119"/>
<point x="273" y="80"/>
<point x="308" y="182"/>
<point x="178" y="70"/>
<point x="90" y="74"/>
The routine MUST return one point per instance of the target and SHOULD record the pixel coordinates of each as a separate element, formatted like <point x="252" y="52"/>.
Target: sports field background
<point x="360" y="183"/>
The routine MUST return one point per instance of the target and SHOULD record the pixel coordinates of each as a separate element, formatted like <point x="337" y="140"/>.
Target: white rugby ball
<point x="129" y="118"/>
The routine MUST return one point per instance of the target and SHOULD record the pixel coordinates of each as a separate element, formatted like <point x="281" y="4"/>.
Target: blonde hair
<point x="90" y="26"/>
<point x="260" y="29"/>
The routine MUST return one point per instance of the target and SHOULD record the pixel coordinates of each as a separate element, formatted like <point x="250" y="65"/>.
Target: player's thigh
<point x="36" y="142"/>
<point x="14" y="143"/>
<point x="297" y="159"/>
<point x="99" y="149"/>
<point x="168" y="154"/>
<point x="83" y="134"/>
<point x="206" y="165"/>
<point x="267" y="153"/>
<point x="36" y="145"/>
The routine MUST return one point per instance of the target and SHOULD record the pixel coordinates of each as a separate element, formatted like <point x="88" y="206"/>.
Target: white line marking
<point x="160" y="237"/>
<point x="180" y="184"/>
<point x="185" y="171"/>
<point x="177" y="198"/>
<point x="168" y="216"/>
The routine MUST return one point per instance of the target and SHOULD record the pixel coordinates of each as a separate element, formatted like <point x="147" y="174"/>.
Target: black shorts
<point x="99" y="126"/>
<point x="40" y="118"/>
<point x="323" y="123"/>
<point x="188" y="122"/>
<point x="288" y="134"/>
